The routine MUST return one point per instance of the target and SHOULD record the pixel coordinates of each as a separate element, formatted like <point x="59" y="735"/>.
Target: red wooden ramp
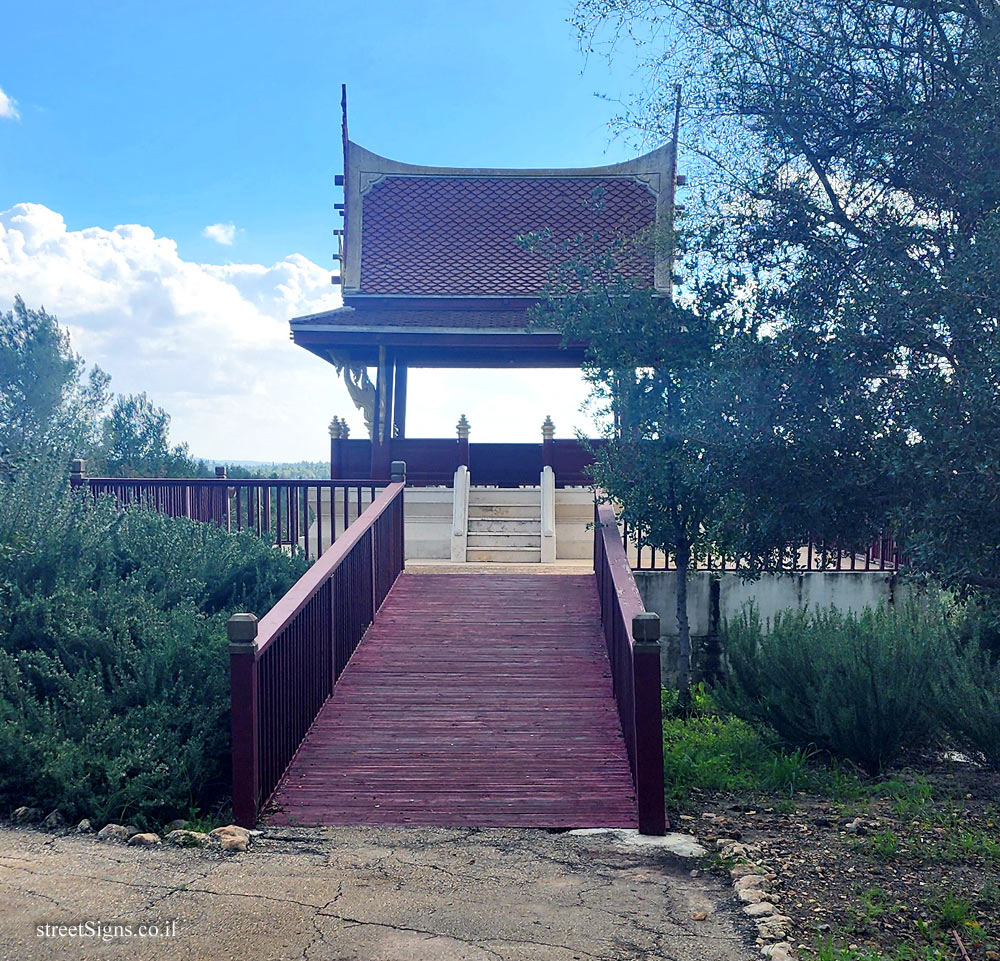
<point x="474" y="700"/>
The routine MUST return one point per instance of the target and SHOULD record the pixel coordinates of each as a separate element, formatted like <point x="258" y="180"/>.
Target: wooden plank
<point x="474" y="700"/>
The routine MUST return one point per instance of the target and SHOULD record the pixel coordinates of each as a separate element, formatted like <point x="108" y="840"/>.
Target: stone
<point x="114" y="832"/>
<point x="857" y="826"/>
<point x="85" y="827"/>
<point x="178" y="824"/>
<point x="131" y="829"/>
<point x="187" y="839"/>
<point x="699" y="916"/>
<point x="683" y="845"/>
<point x="233" y="842"/>
<point x="780" y="951"/>
<point x="751" y="895"/>
<point x="26" y="815"/>
<point x="54" y="821"/>
<point x="774" y="928"/>
<point x="743" y="870"/>
<point x="759" y="910"/>
<point x="748" y="881"/>
<point x="216" y="834"/>
<point x="144" y="840"/>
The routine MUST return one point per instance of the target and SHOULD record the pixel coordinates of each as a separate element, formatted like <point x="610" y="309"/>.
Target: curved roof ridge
<point x="653" y="161"/>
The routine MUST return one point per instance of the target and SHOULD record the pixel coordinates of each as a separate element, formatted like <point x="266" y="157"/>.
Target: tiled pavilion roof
<point x="445" y="232"/>
<point x="457" y="236"/>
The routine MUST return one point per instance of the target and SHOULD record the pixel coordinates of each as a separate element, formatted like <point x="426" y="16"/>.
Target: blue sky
<point x="183" y="115"/>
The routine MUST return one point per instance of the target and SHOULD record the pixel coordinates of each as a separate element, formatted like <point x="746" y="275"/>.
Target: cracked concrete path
<point x="367" y="894"/>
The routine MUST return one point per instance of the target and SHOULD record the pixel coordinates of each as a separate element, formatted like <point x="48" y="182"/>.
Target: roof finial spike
<point x="343" y="111"/>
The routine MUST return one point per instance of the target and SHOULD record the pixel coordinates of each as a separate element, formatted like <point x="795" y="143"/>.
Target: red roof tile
<point x="457" y="235"/>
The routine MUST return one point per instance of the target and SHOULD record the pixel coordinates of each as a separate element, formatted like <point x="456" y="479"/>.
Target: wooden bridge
<point x="370" y="696"/>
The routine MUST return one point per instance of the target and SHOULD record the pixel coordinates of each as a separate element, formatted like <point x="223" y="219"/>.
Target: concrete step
<point x="504" y="539"/>
<point x="512" y="525"/>
<point x="505" y="496"/>
<point x="501" y="555"/>
<point x="505" y="511"/>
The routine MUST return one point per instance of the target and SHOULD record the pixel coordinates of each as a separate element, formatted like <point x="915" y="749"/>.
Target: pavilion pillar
<point x="399" y="403"/>
<point x="382" y="418"/>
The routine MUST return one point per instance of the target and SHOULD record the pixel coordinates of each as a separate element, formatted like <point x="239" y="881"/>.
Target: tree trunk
<point x="683" y="557"/>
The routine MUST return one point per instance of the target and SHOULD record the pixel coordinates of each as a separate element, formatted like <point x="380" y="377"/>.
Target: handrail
<point x="632" y="638"/>
<point x="306" y="513"/>
<point x="283" y="668"/>
<point x="299" y="594"/>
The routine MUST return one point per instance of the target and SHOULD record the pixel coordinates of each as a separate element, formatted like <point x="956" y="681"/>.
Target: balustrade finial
<point x="339" y="428"/>
<point x="548" y="428"/>
<point x="463" y="428"/>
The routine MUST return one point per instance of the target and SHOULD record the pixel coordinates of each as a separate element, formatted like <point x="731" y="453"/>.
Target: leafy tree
<point x="47" y="399"/>
<point x="848" y="152"/>
<point x="697" y="456"/>
<point x="135" y="442"/>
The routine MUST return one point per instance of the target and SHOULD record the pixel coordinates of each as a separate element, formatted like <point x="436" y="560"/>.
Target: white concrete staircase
<point x="505" y="526"/>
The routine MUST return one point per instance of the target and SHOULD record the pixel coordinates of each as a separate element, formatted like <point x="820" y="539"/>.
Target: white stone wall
<point x="770" y="594"/>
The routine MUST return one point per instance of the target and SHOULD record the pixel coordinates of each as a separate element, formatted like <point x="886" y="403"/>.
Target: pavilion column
<point x="399" y="403"/>
<point x="382" y="420"/>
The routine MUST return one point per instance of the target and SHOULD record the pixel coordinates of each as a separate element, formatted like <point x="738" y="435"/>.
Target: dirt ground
<point x="366" y="895"/>
<point x="903" y="867"/>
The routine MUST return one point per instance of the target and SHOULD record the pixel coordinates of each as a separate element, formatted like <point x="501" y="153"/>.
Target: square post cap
<point x="646" y="628"/>
<point x="242" y="629"/>
<point x="77" y="466"/>
<point x="397" y="472"/>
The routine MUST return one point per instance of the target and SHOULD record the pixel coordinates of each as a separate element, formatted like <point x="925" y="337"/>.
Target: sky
<point x="166" y="189"/>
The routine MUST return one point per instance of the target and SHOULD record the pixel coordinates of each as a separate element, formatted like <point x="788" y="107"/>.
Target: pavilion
<point x="433" y="275"/>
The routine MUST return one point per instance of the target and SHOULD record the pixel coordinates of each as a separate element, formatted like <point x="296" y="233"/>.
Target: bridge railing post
<point x="648" y="723"/>
<point x="77" y="472"/>
<point x="242" y="632"/>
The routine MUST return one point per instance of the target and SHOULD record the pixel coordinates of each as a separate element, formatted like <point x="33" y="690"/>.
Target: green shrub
<point x="864" y="687"/>
<point x="972" y="708"/>
<point x="114" y="680"/>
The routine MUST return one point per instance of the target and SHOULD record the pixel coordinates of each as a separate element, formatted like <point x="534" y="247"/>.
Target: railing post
<point x="463" y="441"/>
<point x="460" y="515"/>
<point x="548" y="492"/>
<point x="77" y="472"/>
<point x="220" y="495"/>
<point x="648" y="723"/>
<point x="242" y="632"/>
<point x="397" y="475"/>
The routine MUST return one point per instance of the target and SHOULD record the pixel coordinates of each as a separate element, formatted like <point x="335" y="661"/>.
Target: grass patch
<point x="708" y="750"/>
<point x="827" y="951"/>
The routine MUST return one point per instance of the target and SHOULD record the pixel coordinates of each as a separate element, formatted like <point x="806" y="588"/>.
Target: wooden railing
<point x="633" y="639"/>
<point x="813" y="554"/>
<point x="284" y="667"/>
<point x="310" y="514"/>
<point x="433" y="461"/>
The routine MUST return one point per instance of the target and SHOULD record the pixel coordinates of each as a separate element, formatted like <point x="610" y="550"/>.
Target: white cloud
<point x="8" y="107"/>
<point x="210" y="344"/>
<point x="220" y="233"/>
